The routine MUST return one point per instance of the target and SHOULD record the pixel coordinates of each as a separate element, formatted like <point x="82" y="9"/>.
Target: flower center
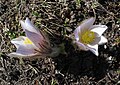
<point x="27" y="41"/>
<point x="87" y="37"/>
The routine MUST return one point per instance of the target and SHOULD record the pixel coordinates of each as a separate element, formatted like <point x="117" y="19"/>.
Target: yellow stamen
<point x="87" y="37"/>
<point x="27" y="41"/>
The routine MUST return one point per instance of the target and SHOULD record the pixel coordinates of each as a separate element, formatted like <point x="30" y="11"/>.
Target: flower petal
<point x="18" y="41"/>
<point x="27" y="25"/>
<point x="32" y="33"/>
<point x="85" y="25"/>
<point x="93" y="49"/>
<point x="35" y="38"/>
<point x="23" y="48"/>
<point x="81" y="46"/>
<point x="30" y="26"/>
<point x="103" y="40"/>
<point x="15" y="54"/>
<point x="96" y="40"/>
<point x="99" y="29"/>
<point x="76" y="33"/>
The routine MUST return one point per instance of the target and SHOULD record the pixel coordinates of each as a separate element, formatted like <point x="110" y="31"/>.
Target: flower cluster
<point x="36" y="44"/>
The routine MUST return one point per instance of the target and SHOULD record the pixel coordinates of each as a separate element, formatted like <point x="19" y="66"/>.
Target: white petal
<point x="30" y="27"/>
<point x="15" y="54"/>
<point x="27" y="25"/>
<point x="22" y="48"/>
<point x="103" y="40"/>
<point x="96" y="40"/>
<point x="93" y="49"/>
<point x="76" y="33"/>
<point x="81" y="46"/>
<point x="35" y="38"/>
<point x="84" y="26"/>
<point x="99" y="29"/>
<point x="88" y="23"/>
<point x="32" y="33"/>
<point x="25" y="50"/>
<point x="18" y="41"/>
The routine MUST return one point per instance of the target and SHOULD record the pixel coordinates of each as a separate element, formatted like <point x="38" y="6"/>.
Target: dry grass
<point x="59" y="19"/>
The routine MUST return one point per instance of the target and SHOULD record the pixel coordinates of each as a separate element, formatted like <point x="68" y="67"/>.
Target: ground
<point x="59" y="18"/>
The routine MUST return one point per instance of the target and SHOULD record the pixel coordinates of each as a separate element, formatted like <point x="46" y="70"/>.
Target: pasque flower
<point x="34" y="44"/>
<point x="89" y="36"/>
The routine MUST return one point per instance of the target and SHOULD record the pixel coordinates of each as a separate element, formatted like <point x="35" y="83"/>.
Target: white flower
<point x="34" y="44"/>
<point x="89" y="36"/>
